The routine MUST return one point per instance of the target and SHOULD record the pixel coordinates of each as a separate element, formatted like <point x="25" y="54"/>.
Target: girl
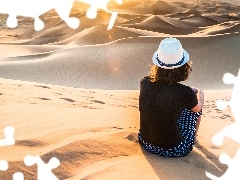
<point x="170" y="112"/>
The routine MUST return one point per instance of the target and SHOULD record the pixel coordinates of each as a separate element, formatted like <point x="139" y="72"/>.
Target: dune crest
<point x="190" y="17"/>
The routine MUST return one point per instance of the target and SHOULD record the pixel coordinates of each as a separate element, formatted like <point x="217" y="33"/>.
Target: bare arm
<point x="200" y="97"/>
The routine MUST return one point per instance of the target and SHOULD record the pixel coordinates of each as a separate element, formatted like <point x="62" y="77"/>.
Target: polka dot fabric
<point x="187" y="125"/>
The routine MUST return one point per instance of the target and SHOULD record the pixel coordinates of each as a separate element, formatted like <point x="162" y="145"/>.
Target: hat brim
<point x="186" y="59"/>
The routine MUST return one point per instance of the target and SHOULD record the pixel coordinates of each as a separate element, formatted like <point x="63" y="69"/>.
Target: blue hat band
<point x="170" y="65"/>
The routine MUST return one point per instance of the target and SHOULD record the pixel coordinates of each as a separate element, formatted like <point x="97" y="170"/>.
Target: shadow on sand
<point x="186" y="168"/>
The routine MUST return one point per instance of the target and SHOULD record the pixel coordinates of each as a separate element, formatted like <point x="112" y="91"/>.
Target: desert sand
<point x="94" y="134"/>
<point x="73" y="93"/>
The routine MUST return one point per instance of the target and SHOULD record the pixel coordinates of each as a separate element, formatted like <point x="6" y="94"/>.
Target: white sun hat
<point x="170" y="54"/>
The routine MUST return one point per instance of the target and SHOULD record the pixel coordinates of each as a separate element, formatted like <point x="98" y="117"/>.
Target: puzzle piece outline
<point x="36" y="8"/>
<point x="231" y="131"/>
<point x="8" y="132"/>
<point x="44" y="170"/>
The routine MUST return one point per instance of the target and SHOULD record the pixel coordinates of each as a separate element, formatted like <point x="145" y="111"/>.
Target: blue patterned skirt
<point x="187" y="125"/>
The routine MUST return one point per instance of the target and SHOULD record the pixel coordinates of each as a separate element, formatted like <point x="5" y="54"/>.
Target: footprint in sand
<point x="97" y="101"/>
<point x="16" y="85"/>
<point x="43" y="86"/>
<point x="117" y="127"/>
<point x="45" y="99"/>
<point x="212" y="146"/>
<point x="227" y="115"/>
<point x="68" y="99"/>
<point x="132" y="137"/>
<point x="133" y="106"/>
<point x="30" y="143"/>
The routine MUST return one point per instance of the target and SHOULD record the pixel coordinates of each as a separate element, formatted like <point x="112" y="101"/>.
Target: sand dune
<point x="99" y="148"/>
<point x="220" y="29"/>
<point x="177" y="23"/>
<point x="171" y="18"/>
<point x="110" y="66"/>
<point x="55" y="34"/>
<point x="157" y="24"/>
<point x="156" y="8"/>
<point x="31" y="33"/>
<point x="199" y="21"/>
<point x="25" y="50"/>
<point x="88" y="36"/>
<point x="155" y="21"/>
<point x="97" y="35"/>
<point x="184" y="14"/>
<point x="131" y="16"/>
<point x="161" y="7"/>
<point x="136" y="20"/>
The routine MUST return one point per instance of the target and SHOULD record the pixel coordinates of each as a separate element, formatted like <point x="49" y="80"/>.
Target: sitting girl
<point x="170" y="112"/>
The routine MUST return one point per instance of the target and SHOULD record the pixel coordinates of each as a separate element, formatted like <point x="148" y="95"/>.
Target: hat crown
<point x="170" y="46"/>
<point x="170" y="51"/>
<point x="170" y="54"/>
